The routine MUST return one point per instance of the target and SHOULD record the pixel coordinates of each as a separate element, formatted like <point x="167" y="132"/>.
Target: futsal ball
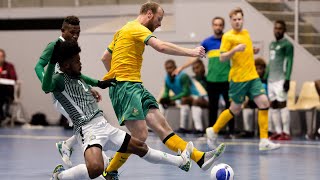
<point x="222" y="172"/>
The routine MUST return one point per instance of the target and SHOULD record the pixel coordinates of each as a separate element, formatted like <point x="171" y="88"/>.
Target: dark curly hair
<point x="67" y="50"/>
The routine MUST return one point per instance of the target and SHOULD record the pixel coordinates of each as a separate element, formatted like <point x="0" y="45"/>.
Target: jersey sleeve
<point x="89" y="81"/>
<point x="52" y="82"/>
<point x="44" y="60"/>
<point x="142" y="34"/>
<point x="111" y="46"/>
<point x="204" y="44"/>
<point x="226" y="44"/>
<point x="289" y="60"/>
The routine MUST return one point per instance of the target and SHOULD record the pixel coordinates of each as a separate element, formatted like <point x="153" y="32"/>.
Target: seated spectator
<point x="249" y="106"/>
<point x="7" y="71"/>
<point x="185" y="94"/>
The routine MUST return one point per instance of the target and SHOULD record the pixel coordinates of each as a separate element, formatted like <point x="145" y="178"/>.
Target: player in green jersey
<point x="279" y="74"/>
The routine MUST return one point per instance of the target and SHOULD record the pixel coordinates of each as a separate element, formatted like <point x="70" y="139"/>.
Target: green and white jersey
<point x="74" y="95"/>
<point x="280" y="60"/>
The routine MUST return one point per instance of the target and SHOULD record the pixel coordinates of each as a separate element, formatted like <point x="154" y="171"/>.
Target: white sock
<point x="77" y="172"/>
<point x="270" y="121"/>
<point x="71" y="141"/>
<point x="159" y="157"/>
<point x="106" y="159"/>
<point x="285" y="117"/>
<point x="184" y="115"/>
<point x="197" y="117"/>
<point x="275" y="113"/>
<point x="248" y="118"/>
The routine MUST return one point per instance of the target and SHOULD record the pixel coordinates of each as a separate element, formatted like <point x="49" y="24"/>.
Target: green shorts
<point x="239" y="90"/>
<point x="131" y="101"/>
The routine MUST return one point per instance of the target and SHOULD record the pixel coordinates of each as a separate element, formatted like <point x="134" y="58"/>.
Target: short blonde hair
<point x="153" y="6"/>
<point x="235" y="11"/>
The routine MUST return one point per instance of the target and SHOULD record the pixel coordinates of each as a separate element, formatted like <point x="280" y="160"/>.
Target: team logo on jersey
<point x="135" y="111"/>
<point x="278" y="47"/>
<point x="92" y="137"/>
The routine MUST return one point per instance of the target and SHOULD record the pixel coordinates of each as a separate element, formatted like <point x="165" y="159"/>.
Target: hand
<point x="55" y="53"/>
<point x="256" y="50"/>
<point x="176" y="71"/>
<point x="107" y="83"/>
<point x="96" y="95"/>
<point x="286" y="85"/>
<point x="198" y="52"/>
<point x="165" y="102"/>
<point x="240" y="48"/>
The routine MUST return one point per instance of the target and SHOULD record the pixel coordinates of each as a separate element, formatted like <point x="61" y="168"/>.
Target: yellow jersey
<point x="127" y="48"/>
<point x="242" y="63"/>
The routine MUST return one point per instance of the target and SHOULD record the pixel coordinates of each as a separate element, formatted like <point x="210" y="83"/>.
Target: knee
<point x="142" y="135"/>
<point x="235" y="111"/>
<point x="264" y="104"/>
<point x="95" y="170"/>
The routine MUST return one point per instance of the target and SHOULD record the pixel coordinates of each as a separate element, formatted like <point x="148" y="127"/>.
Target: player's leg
<point x="281" y="97"/>
<point x="184" y="114"/>
<point x="237" y="92"/>
<point x="128" y="110"/>
<point x="258" y="93"/>
<point x="156" y="121"/>
<point x="213" y="95"/>
<point x="141" y="149"/>
<point x="285" y="118"/>
<point x="224" y="90"/>
<point x="197" y="111"/>
<point x="92" y="169"/>
<point x="93" y="137"/>
<point x="65" y="148"/>
<point x="273" y="92"/>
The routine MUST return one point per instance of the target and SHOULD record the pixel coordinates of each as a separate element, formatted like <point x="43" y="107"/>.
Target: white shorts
<point x="276" y="92"/>
<point x="99" y="132"/>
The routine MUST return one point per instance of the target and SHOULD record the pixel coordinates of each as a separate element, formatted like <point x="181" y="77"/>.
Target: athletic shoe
<point x="274" y="136"/>
<point x="212" y="156"/>
<point x="186" y="154"/>
<point x="266" y="144"/>
<point x="56" y="172"/>
<point x="113" y="175"/>
<point x="65" y="152"/>
<point x="211" y="138"/>
<point x="284" y="137"/>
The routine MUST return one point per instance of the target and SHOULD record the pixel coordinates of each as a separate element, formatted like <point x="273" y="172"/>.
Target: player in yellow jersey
<point x="134" y="106"/>
<point x="244" y="81"/>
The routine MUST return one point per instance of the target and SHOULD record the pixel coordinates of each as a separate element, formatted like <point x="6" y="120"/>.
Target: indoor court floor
<point x="31" y="154"/>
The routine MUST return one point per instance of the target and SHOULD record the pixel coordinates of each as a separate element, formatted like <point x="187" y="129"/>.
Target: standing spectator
<point x="184" y="90"/>
<point x="218" y="72"/>
<point x="279" y="74"/>
<point x="7" y="71"/>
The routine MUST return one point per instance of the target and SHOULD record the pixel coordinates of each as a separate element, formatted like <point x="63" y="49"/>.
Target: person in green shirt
<point x="279" y="75"/>
<point x="91" y="129"/>
<point x="70" y="30"/>
<point x="185" y="95"/>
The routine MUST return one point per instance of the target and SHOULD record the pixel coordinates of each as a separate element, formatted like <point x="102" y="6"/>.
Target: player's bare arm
<point x="172" y="49"/>
<point x="106" y="59"/>
<point x="189" y="62"/>
<point x="227" y="55"/>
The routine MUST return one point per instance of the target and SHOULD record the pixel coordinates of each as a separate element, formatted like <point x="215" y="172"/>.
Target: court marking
<point x="241" y="142"/>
